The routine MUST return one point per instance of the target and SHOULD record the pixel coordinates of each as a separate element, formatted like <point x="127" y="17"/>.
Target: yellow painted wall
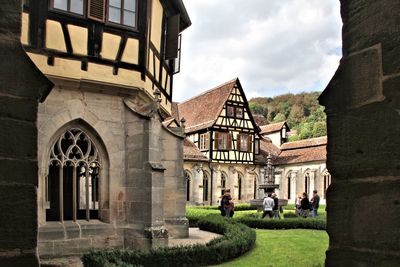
<point x="156" y="23"/>
<point x="110" y="46"/>
<point x="131" y="52"/>
<point x="79" y="39"/>
<point x="55" y="36"/>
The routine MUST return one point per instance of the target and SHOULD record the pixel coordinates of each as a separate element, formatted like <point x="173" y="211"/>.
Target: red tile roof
<point x="303" y="151"/>
<point x="201" y="111"/>
<point x="191" y="152"/>
<point x="273" y="127"/>
<point x="267" y="147"/>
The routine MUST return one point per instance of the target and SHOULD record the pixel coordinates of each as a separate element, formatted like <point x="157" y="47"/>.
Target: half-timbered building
<point x="109" y="163"/>
<point x="220" y="126"/>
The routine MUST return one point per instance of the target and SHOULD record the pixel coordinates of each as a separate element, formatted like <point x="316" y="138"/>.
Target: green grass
<point x="285" y="248"/>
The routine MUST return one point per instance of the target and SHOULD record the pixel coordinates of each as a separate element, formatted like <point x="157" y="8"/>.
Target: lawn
<point x="285" y="248"/>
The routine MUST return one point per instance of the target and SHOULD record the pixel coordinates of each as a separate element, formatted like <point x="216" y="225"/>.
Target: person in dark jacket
<point x="304" y="206"/>
<point x="275" y="209"/>
<point x="315" y="204"/>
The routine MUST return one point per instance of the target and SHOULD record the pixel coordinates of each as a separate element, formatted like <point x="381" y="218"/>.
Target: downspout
<point x="209" y="165"/>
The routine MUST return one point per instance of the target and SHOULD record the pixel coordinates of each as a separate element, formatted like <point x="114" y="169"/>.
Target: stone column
<point x="216" y="188"/>
<point x="144" y="198"/>
<point x="294" y="189"/>
<point x="197" y="181"/>
<point x="363" y="111"/>
<point x="313" y="184"/>
<point x="22" y="85"/>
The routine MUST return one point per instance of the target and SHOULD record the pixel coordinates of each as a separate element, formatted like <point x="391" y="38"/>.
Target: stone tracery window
<point x="72" y="186"/>
<point x="307" y="183"/>
<point x="223" y="183"/>
<point x="240" y="186"/>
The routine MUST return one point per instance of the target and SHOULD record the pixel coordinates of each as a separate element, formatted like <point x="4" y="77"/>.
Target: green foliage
<point x="237" y="239"/>
<point x="301" y="111"/>
<point x="295" y="223"/>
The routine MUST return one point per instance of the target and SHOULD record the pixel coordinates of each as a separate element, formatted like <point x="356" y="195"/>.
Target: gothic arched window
<point x="239" y="186"/>
<point x="187" y="177"/>
<point x="327" y="181"/>
<point x="205" y="186"/>
<point x="289" y="184"/>
<point x="307" y="183"/>
<point x="223" y="183"/>
<point x="72" y="185"/>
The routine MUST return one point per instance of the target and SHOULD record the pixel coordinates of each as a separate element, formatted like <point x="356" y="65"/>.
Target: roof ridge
<point x="209" y="90"/>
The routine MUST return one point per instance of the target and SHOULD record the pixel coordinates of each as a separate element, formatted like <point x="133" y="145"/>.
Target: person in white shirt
<point x="268" y="205"/>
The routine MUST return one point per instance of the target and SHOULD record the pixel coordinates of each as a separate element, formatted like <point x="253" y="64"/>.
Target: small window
<point x="72" y="6"/>
<point x="122" y="12"/>
<point x="177" y="60"/>
<point x="257" y="146"/>
<point x="223" y="141"/>
<point x="244" y="142"/>
<point x="239" y="112"/>
<point x="230" y="111"/>
<point x="204" y="142"/>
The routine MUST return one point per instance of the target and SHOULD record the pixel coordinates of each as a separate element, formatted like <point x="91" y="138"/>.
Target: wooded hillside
<point x="301" y="111"/>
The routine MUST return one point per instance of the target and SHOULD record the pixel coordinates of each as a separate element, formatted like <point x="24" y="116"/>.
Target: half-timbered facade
<point x="220" y="125"/>
<point x="103" y="136"/>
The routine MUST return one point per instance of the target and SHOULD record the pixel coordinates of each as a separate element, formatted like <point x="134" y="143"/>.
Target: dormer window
<point x="239" y="112"/>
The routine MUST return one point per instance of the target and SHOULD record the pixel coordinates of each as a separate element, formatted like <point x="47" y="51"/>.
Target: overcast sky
<point x="273" y="46"/>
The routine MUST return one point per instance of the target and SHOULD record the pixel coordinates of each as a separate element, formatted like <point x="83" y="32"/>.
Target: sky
<point x="273" y="46"/>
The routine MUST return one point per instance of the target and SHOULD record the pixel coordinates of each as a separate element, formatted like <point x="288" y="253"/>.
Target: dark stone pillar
<point x="363" y="108"/>
<point x="21" y="86"/>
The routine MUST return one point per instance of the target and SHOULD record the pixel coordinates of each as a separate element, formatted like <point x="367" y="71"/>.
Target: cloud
<point x="273" y="46"/>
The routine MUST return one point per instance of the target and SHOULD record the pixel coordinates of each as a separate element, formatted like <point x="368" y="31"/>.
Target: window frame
<point x="228" y="114"/>
<point x="236" y="112"/>
<point x="112" y="23"/>
<point x="204" y="141"/>
<point x="248" y="142"/>
<point x="68" y="12"/>
<point x="223" y="136"/>
<point x="257" y="146"/>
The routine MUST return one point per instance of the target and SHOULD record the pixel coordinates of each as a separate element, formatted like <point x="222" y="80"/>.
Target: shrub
<point x="236" y="240"/>
<point x="295" y="223"/>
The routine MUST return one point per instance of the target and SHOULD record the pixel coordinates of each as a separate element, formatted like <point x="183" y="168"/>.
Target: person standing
<point x="275" y="209"/>
<point x="315" y="204"/>
<point x="305" y="206"/>
<point x="268" y="205"/>
<point x="226" y="203"/>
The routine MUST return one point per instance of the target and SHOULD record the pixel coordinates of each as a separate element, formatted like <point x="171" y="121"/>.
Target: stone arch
<point x="326" y="181"/>
<point x="223" y="181"/>
<point x="103" y="168"/>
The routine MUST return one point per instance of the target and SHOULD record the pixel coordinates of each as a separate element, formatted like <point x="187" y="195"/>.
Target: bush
<point x="238" y="207"/>
<point x="295" y="223"/>
<point x="237" y="239"/>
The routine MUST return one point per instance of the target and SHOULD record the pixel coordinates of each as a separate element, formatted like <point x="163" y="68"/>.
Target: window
<point x="72" y="185"/>
<point x="239" y="112"/>
<point x="239" y="187"/>
<point x="307" y="183"/>
<point x="230" y="111"/>
<point x="327" y="182"/>
<point x="187" y="177"/>
<point x="177" y="60"/>
<point x="122" y="12"/>
<point x="72" y="6"/>
<point x="223" y="141"/>
<point x="204" y="142"/>
<point x="223" y="183"/>
<point x="257" y="146"/>
<point x="205" y="186"/>
<point x="289" y="184"/>
<point x="255" y="187"/>
<point x="244" y="142"/>
<point x="234" y="112"/>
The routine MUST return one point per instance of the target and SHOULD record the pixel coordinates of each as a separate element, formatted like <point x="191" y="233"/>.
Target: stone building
<point x="301" y="167"/>
<point x="109" y="164"/>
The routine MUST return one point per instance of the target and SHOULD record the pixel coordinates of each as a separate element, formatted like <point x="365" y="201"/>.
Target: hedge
<point x="238" y="207"/>
<point x="295" y="223"/>
<point x="237" y="239"/>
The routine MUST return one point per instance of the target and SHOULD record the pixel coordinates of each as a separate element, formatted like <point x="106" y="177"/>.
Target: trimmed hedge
<point x="238" y="207"/>
<point x="237" y="239"/>
<point x="295" y="223"/>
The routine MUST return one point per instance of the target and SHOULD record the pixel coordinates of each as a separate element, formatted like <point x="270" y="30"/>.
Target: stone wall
<point x="21" y="86"/>
<point x="363" y="106"/>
